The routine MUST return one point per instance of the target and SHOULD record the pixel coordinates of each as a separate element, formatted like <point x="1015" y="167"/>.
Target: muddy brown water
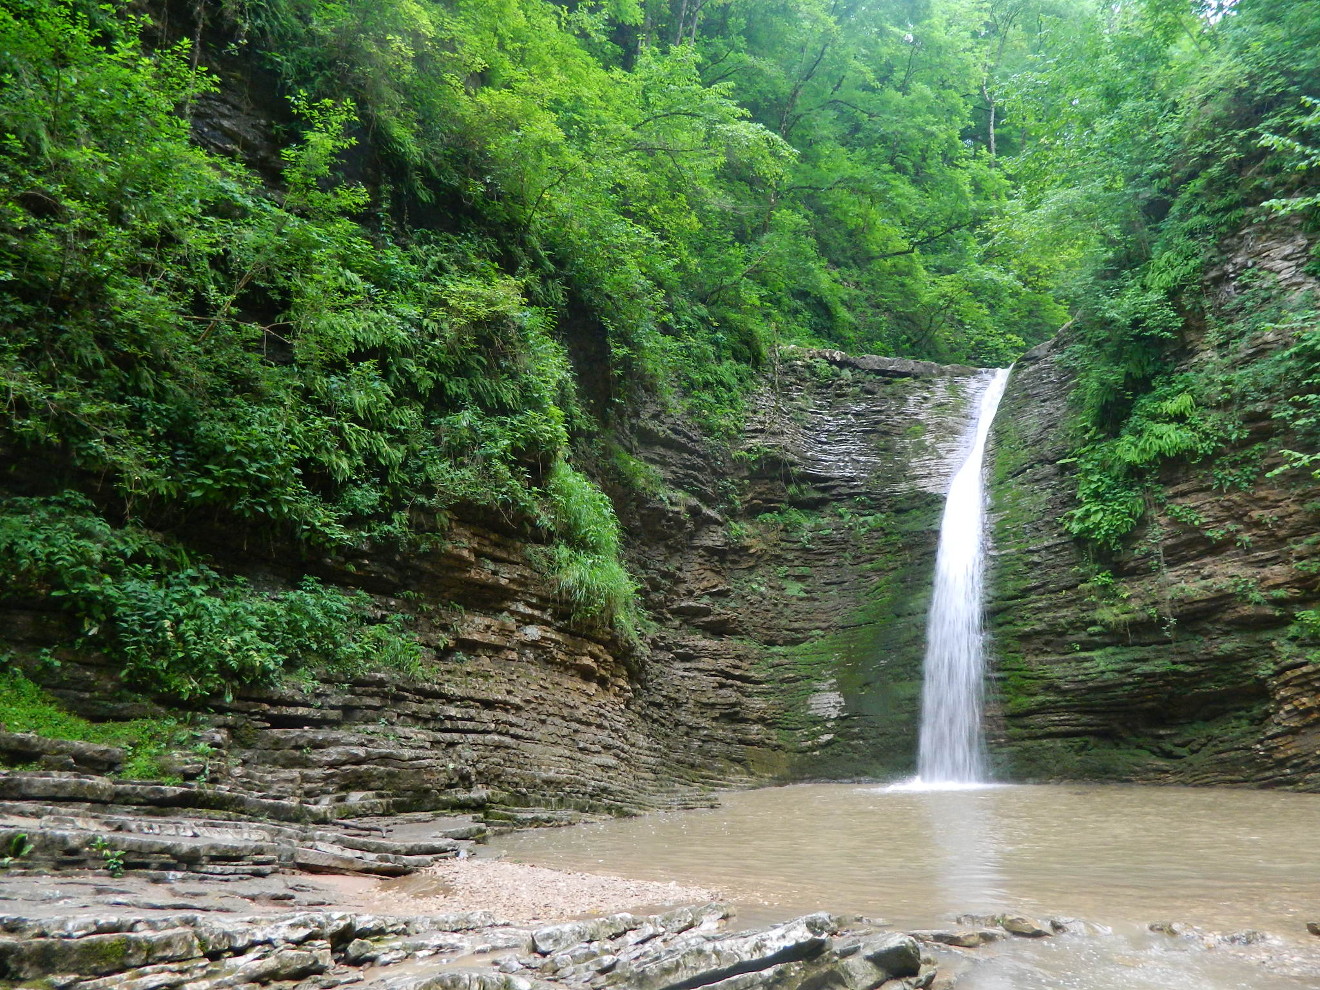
<point x="1122" y="857"/>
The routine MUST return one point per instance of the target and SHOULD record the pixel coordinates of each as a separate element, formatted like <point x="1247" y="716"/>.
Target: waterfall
<point x="952" y="749"/>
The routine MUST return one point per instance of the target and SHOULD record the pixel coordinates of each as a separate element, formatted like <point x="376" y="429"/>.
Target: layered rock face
<point x="787" y="584"/>
<point x="1179" y="659"/>
<point x="802" y="600"/>
<point x="685" y="947"/>
<point x="513" y="707"/>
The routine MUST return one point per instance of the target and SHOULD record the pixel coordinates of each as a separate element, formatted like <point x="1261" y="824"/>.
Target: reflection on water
<point x="966" y="838"/>
<point x="1225" y="860"/>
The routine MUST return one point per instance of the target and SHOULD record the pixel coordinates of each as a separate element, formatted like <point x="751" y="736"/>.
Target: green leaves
<point x="1181" y="129"/>
<point x="311" y="187"/>
<point x="1296" y="156"/>
<point x="760" y="173"/>
<point x="175" y="625"/>
<point x="206" y="348"/>
<point x="585" y="560"/>
<point x="212" y="351"/>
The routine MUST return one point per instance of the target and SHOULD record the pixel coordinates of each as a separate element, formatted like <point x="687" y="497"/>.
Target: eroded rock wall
<point x="513" y="706"/>
<point x="806" y="589"/>
<point x="786" y="582"/>
<point x="1177" y="659"/>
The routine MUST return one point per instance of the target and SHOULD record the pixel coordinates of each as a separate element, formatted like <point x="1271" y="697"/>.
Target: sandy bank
<point x="517" y="892"/>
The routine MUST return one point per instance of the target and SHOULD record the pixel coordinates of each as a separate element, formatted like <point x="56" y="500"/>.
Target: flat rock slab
<point x="1014" y="924"/>
<point x="85" y="897"/>
<point x="94" y="955"/>
<point x="87" y="837"/>
<point x="963" y="938"/>
<point x="683" y="949"/>
<point x="24" y="747"/>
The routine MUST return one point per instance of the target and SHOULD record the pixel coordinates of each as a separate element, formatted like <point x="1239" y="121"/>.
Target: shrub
<point x="175" y="625"/>
<point x="585" y="562"/>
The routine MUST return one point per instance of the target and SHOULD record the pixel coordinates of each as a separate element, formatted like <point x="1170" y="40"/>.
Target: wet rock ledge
<point x="97" y="897"/>
<point x="683" y="949"/>
<point x="61" y="837"/>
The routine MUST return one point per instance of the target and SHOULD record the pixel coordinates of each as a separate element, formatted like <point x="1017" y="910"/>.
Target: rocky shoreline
<point x="681" y="949"/>
<point x="82" y="931"/>
<point x="99" y="897"/>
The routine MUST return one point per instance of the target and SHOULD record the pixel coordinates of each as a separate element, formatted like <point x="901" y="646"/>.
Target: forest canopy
<point x="489" y="227"/>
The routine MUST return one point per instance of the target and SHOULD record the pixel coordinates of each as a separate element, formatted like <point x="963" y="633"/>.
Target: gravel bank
<point x="520" y="893"/>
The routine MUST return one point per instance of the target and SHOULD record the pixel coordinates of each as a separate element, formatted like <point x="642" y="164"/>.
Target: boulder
<point x="897" y="955"/>
<point x="360" y="951"/>
<point x="1021" y="925"/>
<point x="94" y="955"/>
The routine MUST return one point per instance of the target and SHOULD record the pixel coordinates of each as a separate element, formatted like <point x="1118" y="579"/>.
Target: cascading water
<point x="951" y="747"/>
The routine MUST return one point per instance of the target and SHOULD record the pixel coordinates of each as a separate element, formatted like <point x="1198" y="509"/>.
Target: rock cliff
<point x="785" y="579"/>
<point x="786" y="582"/>
<point x="1178" y="659"/>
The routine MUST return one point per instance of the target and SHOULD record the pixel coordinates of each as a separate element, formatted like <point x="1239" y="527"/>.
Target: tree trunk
<point x="990" y="109"/>
<point x="682" y="20"/>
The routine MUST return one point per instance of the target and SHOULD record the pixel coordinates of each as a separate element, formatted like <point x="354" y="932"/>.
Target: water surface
<point x="1221" y="860"/>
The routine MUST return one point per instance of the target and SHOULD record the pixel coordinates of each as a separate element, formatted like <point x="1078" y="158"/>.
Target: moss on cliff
<point x="1163" y="658"/>
<point x="868" y="667"/>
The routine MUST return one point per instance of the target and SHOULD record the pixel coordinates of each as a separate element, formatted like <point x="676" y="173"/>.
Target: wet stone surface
<point x="208" y="947"/>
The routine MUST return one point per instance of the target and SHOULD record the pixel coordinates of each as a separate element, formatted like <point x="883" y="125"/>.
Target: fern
<point x="585" y="563"/>
<point x="175" y="625"/>
<point x="1166" y="424"/>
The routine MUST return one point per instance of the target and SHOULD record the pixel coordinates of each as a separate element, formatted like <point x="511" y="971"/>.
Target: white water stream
<point x="951" y="750"/>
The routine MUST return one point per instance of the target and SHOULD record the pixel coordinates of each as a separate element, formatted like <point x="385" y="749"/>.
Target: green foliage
<point x="210" y="349"/>
<point x="1307" y="626"/>
<point x="114" y="858"/>
<point x="1301" y="411"/>
<point x="25" y="707"/>
<point x="175" y="625"/>
<point x="635" y="473"/>
<point x="585" y="562"/>
<point x="1298" y="157"/>
<point x="1113" y="475"/>
<point x="1153" y="130"/>
<point x="1196" y="416"/>
<point x="786" y="173"/>
<point x="18" y="847"/>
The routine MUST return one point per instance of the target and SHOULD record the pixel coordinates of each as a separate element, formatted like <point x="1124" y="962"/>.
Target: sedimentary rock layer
<point x="786" y="582"/>
<point x="1177" y="658"/>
